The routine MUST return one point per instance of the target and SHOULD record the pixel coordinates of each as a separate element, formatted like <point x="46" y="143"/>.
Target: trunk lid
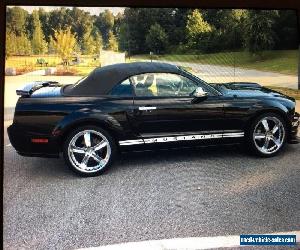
<point x="40" y="89"/>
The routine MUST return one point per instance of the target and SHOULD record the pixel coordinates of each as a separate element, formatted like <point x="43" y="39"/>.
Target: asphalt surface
<point x="151" y="195"/>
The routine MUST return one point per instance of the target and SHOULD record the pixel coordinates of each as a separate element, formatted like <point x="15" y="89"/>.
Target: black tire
<point x="78" y="135"/>
<point x="254" y="145"/>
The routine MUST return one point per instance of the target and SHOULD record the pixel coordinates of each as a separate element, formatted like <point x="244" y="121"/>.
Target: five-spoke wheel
<point x="268" y="134"/>
<point x="88" y="150"/>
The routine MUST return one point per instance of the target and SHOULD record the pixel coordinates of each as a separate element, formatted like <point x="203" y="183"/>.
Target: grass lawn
<point x="28" y="63"/>
<point x="22" y="61"/>
<point x="281" y="61"/>
<point x="52" y="60"/>
<point x="83" y="70"/>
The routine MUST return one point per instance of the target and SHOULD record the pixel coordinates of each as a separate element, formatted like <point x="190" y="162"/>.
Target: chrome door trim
<point x="147" y="108"/>
<point x="182" y="138"/>
<point x="131" y="142"/>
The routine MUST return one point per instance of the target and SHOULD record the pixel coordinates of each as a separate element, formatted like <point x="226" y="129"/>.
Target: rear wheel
<point x="89" y="150"/>
<point x="267" y="134"/>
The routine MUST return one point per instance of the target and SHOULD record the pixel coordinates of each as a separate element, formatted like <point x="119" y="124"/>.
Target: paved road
<point x="40" y="72"/>
<point x="153" y="195"/>
<point x="216" y="73"/>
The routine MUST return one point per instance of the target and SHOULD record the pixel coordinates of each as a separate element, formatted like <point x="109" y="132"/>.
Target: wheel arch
<point x="277" y="111"/>
<point x="85" y="122"/>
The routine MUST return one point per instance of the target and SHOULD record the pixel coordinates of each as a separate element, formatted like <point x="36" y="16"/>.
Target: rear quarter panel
<point x="54" y="117"/>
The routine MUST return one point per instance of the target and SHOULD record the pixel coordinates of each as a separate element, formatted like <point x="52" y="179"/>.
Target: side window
<point x="144" y="84"/>
<point x="162" y="84"/>
<point x="122" y="89"/>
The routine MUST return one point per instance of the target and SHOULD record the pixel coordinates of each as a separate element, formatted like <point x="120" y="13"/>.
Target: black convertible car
<point x="137" y="106"/>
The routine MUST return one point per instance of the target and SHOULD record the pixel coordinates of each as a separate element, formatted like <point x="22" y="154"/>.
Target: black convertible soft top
<point x="101" y="80"/>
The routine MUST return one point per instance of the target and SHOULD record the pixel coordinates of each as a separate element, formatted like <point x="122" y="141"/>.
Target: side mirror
<point x="199" y="93"/>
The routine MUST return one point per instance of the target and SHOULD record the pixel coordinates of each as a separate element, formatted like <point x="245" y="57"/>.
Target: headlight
<point x="295" y="122"/>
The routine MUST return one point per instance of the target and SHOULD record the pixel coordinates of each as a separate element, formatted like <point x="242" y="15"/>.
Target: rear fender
<point x="87" y="116"/>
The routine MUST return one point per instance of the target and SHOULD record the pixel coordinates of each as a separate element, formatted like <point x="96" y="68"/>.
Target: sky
<point x="92" y="10"/>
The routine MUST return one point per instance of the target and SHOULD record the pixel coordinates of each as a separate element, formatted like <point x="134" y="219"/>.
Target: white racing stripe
<point x="193" y="243"/>
<point x="131" y="142"/>
<point x="181" y="138"/>
<point x="147" y="108"/>
<point x="241" y="134"/>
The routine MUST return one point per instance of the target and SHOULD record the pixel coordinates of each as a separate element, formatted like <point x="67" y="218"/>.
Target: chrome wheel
<point x="89" y="151"/>
<point x="269" y="135"/>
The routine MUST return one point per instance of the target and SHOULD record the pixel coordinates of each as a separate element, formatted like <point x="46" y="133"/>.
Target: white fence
<point x="108" y="57"/>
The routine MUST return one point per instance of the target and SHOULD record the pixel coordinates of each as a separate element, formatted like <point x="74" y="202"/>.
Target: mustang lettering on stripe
<point x="181" y="138"/>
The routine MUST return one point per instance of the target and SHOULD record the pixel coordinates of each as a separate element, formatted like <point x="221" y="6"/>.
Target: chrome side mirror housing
<point x="199" y="92"/>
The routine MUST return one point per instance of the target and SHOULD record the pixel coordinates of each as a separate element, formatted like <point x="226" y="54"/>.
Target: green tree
<point x="227" y="29"/>
<point x="131" y="35"/>
<point x="139" y="21"/>
<point x="10" y="47"/>
<point x="64" y="43"/>
<point x="23" y="45"/>
<point x="124" y="37"/>
<point x="112" y="43"/>
<point x="81" y="22"/>
<point x="17" y="45"/>
<point x="59" y="19"/>
<point x="44" y="19"/>
<point x="198" y="30"/>
<point x="258" y="33"/>
<point x="105" y="23"/>
<point x="208" y="30"/>
<point x="98" y="42"/>
<point x="16" y="20"/>
<point x="88" y="43"/>
<point x="286" y="30"/>
<point x="39" y="45"/>
<point x="92" y="43"/>
<point x="178" y="33"/>
<point x="118" y="20"/>
<point x="51" y="46"/>
<point x="157" y="39"/>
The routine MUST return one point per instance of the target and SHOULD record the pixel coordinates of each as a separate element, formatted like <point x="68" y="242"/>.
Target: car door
<point x="119" y="106"/>
<point x="164" y="106"/>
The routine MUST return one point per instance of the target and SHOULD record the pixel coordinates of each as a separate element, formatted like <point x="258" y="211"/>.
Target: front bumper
<point x="293" y="138"/>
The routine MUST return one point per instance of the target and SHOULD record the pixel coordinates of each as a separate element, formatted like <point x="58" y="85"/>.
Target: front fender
<point x="285" y="108"/>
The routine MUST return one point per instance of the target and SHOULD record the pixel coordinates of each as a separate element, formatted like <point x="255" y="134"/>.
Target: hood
<point x="245" y="89"/>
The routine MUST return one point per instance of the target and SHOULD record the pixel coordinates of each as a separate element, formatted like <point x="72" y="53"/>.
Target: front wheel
<point x="267" y="135"/>
<point x="89" y="150"/>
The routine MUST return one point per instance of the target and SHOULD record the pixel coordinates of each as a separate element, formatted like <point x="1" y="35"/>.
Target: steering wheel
<point x="179" y="88"/>
<point x="173" y="86"/>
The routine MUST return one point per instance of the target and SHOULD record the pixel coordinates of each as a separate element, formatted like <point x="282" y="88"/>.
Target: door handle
<point x="146" y="108"/>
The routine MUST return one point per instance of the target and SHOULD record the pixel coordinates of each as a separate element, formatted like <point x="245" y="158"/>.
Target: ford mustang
<point x="143" y="105"/>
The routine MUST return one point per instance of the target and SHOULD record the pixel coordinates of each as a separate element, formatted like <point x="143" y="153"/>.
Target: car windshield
<point x="189" y="73"/>
<point x="209" y="85"/>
